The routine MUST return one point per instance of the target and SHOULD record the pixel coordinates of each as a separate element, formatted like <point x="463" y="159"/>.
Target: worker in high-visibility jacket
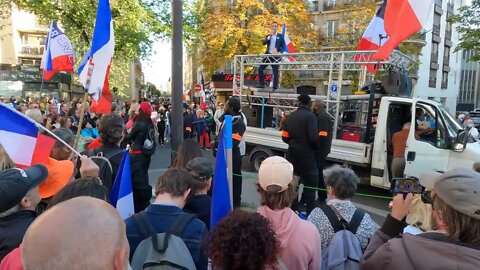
<point x="325" y="128"/>
<point x="301" y="134"/>
<point x="232" y="107"/>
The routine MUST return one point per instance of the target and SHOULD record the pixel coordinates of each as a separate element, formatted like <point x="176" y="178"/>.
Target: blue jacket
<point x="279" y="43"/>
<point x="90" y="132"/>
<point x="162" y="217"/>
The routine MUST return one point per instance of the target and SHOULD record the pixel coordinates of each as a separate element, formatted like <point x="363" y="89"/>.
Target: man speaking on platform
<point x="275" y="45"/>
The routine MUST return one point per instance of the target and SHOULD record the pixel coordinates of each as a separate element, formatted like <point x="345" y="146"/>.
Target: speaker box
<point x="254" y="115"/>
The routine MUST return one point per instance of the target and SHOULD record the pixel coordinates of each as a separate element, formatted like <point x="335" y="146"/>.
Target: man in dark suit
<point x="275" y="45"/>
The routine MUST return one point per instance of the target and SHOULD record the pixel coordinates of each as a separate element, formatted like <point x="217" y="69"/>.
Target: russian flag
<point x="95" y="67"/>
<point x="58" y="53"/>
<point x="371" y="37"/>
<point x="121" y="196"/>
<point x="221" y="204"/>
<point x="402" y="19"/>
<point x="20" y="138"/>
<point x="288" y="44"/>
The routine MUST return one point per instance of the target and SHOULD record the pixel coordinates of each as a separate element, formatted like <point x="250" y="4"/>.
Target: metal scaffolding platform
<point x="335" y="63"/>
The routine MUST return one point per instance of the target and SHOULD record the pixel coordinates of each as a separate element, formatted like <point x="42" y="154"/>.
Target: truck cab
<point x="443" y="148"/>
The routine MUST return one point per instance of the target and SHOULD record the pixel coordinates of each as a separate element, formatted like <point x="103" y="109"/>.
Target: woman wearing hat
<point x="142" y="125"/>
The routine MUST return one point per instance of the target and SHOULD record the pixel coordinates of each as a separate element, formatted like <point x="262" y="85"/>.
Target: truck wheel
<point x="258" y="158"/>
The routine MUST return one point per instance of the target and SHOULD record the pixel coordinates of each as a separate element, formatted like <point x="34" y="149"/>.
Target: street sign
<point x="198" y="88"/>
<point x="333" y="88"/>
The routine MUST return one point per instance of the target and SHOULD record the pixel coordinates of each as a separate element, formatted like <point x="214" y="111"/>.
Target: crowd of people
<point x="57" y="216"/>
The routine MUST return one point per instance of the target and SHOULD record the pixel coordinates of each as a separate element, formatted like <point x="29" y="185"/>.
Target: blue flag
<point x="221" y="205"/>
<point x="121" y="196"/>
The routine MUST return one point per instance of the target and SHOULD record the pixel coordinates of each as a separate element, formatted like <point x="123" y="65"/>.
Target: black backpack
<point x="149" y="145"/>
<point x="102" y="160"/>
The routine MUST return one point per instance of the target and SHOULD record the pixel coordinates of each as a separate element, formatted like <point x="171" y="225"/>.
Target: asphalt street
<point x="376" y="207"/>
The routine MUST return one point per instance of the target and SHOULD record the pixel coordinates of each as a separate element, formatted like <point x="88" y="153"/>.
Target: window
<point x="437" y="18"/>
<point x="432" y="82"/>
<point x="314" y="6"/>
<point x="331" y="28"/>
<point x="429" y="126"/>
<point x="434" y="47"/>
<point x="444" y="80"/>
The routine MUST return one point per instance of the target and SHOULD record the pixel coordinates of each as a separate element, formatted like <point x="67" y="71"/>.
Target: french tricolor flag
<point x="374" y="36"/>
<point x="288" y="46"/>
<point x="58" y="53"/>
<point x="121" y="196"/>
<point x="402" y="19"/>
<point x="20" y="138"/>
<point x="95" y="67"/>
<point x="203" y="98"/>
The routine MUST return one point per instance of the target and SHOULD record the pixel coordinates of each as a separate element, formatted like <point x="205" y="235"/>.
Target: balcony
<point x="444" y="85"/>
<point x="31" y="51"/>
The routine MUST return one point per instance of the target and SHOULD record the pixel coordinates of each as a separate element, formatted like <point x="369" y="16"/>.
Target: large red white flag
<point x="402" y="19"/>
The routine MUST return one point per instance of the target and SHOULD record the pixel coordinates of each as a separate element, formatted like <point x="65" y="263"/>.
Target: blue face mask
<point x="470" y="125"/>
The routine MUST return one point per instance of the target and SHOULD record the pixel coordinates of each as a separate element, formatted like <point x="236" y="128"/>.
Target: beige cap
<point x="459" y="188"/>
<point x="275" y="171"/>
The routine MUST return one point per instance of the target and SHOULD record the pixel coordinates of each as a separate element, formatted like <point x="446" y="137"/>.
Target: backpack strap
<point x="144" y="225"/>
<point x="356" y="220"/>
<point x="180" y="223"/>
<point x="114" y="153"/>
<point x="333" y="218"/>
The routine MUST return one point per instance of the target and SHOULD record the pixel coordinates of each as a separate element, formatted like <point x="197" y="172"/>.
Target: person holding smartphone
<point x="455" y="243"/>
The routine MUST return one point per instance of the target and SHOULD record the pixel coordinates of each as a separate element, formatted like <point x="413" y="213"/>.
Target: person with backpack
<point x="164" y="219"/>
<point x="340" y="222"/>
<point x="142" y="146"/>
<point x="299" y="239"/>
<point x="109" y="155"/>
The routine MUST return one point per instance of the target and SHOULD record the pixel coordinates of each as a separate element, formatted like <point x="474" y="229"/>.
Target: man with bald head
<point x="324" y="124"/>
<point x="80" y="233"/>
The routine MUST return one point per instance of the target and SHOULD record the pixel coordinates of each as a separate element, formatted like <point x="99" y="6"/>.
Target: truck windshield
<point x="453" y="127"/>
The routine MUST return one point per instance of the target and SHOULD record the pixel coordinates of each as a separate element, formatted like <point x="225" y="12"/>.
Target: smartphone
<point x="407" y="185"/>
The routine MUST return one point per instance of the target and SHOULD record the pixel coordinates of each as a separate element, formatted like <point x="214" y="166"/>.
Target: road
<point x="376" y="207"/>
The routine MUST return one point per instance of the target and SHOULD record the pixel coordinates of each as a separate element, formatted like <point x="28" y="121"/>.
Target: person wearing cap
<point x="140" y="162"/>
<point x="301" y="134"/>
<point x="455" y="200"/>
<point x="200" y="202"/>
<point x="232" y="108"/>
<point x="19" y="196"/>
<point x="299" y="239"/>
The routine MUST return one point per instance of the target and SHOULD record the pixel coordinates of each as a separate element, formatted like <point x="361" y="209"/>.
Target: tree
<point x="468" y="20"/>
<point x="355" y="20"/>
<point x="239" y="28"/>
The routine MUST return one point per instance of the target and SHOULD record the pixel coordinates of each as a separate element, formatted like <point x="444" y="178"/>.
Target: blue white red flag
<point x="203" y="98"/>
<point x="58" y="53"/>
<point x="95" y="67"/>
<point x="121" y="196"/>
<point x="221" y="205"/>
<point x="288" y="45"/>
<point x="373" y="37"/>
<point x="21" y="140"/>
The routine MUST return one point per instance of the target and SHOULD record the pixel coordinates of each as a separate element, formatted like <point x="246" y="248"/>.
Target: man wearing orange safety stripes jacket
<point x="232" y="107"/>
<point x="301" y="134"/>
<point x="324" y="124"/>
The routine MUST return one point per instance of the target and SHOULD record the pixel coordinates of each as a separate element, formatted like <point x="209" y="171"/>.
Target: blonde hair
<point x="133" y="109"/>
<point x="420" y="215"/>
<point x="5" y="160"/>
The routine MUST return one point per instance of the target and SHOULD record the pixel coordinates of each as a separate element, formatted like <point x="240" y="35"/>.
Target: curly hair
<point x="111" y="129"/>
<point x="243" y="241"/>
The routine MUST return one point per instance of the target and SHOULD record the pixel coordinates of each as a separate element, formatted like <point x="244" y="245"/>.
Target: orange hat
<point x="60" y="172"/>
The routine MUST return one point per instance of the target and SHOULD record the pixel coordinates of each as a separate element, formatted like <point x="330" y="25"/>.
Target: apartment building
<point x="468" y="96"/>
<point x="22" y="43"/>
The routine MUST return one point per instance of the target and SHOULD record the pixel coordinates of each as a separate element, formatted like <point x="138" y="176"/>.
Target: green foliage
<point x="288" y="79"/>
<point x="239" y="28"/>
<point x="468" y="27"/>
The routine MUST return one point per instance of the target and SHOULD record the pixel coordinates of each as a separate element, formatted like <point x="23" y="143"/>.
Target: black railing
<point x="432" y="83"/>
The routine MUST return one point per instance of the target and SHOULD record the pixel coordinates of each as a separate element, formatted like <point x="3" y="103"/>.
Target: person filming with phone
<point x="455" y="241"/>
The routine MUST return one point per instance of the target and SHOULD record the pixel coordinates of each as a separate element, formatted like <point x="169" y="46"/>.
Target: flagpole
<point x="229" y="146"/>
<point x="38" y="125"/>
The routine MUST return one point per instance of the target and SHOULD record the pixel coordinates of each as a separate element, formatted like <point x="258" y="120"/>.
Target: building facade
<point x="468" y="96"/>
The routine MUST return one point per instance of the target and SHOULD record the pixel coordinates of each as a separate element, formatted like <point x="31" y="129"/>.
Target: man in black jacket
<point x="324" y="124"/>
<point x="301" y="134"/>
<point x="275" y="45"/>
